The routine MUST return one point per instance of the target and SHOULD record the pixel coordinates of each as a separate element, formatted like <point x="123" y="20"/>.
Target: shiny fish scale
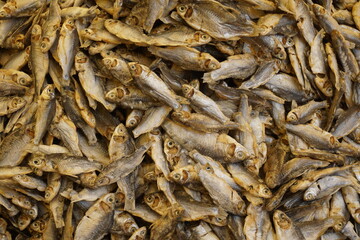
<point x="168" y="119"/>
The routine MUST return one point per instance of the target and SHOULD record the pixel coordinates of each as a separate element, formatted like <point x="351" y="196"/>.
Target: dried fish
<point x="167" y="119"/>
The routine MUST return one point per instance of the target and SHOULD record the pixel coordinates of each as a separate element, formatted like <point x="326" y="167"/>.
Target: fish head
<point x="109" y="62"/>
<point x="201" y="37"/>
<point x="88" y="179"/>
<point x="282" y="220"/>
<point x="33" y="212"/>
<point x="37" y="161"/>
<point x="184" y="10"/>
<point x="102" y="181"/>
<point x="207" y="168"/>
<point x="132" y="21"/>
<point x="176" y="211"/>
<point x="16" y="103"/>
<point x="339" y="223"/>
<point x="22" y="78"/>
<point x="310" y="194"/>
<point x="292" y="117"/>
<point x="280" y="53"/>
<point x="49" y="92"/>
<point x="45" y="43"/>
<point x="264" y="191"/>
<point x="187" y="90"/>
<point x="120" y="134"/>
<point x="299" y="185"/>
<point x="133" y="121"/>
<point x="119" y="199"/>
<point x="236" y="151"/>
<point x="180" y="176"/>
<point x="150" y="176"/>
<point x="114" y="95"/>
<point x="23" y="221"/>
<point x="272" y="180"/>
<point x="181" y="115"/>
<point x="49" y="193"/>
<point x="140" y="233"/>
<point x="70" y="23"/>
<point x="241" y="207"/>
<point x="5" y="12"/>
<point x="152" y="200"/>
<point x="211" y="63"/>
<point x="89" y="118"/>
<point x="36" y="33"/>
<point x="318" y="10"/>
<point x="24" y="202"/>
<point x="36" y="225"/>
<point x="170" y="146"/>
<point x="135" y="69"/>
<point x="110" y="199"/>
<point x="218" y="220"/>
<point x="18" y="177"/>
<point x="80" y="57"/>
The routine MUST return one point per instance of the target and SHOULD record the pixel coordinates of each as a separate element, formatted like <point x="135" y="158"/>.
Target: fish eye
<point x="204" y="36"/>
<point x="150" y="198"/>
<point x="213" y="66"/>
<point x="110" y="199"/>
<point x="177" y="212"/>
<point x="47" y="195"/>
<point x="208" y="168"/>
<point x="22" y="81"/>
<point x="239" y="155"/>
<point x="21" y="223"/>
<point x="133" y="67"/>
<point x="133" y="229"/>
<point x="182" y="8"/>
<point x="177" y="176"/>
<point x="36" y="224"/>
<point x="219" y="219"/>
<point x="18" y="176"/>
<point x="171" y="144"/>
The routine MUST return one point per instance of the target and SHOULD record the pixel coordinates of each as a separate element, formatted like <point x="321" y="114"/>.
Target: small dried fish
<point x="168" y="119"/>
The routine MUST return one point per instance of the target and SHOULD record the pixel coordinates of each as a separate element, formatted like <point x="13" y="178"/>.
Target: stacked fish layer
<point x="170" y="119"/>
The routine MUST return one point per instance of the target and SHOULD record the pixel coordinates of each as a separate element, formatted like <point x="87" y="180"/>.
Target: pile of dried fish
<point x="170" y="119"/>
